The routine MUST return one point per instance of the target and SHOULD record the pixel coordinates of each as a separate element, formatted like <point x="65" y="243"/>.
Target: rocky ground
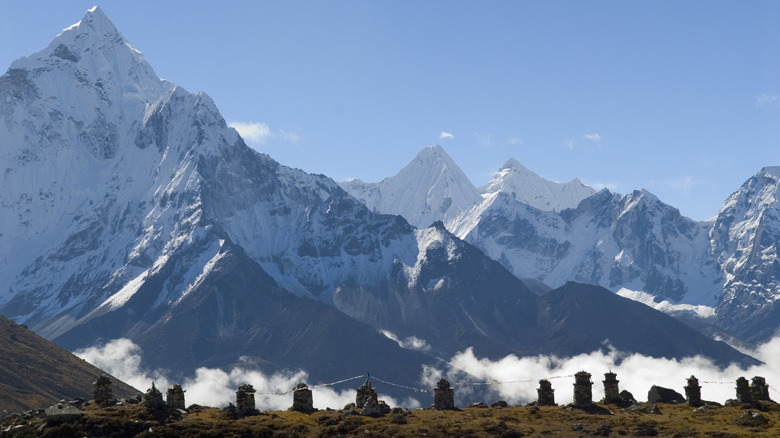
<point x="130" y="418"/>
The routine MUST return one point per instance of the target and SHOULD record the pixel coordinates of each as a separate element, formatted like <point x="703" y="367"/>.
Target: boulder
<point x="63" y="413"/>
<point x="658" y="394"/>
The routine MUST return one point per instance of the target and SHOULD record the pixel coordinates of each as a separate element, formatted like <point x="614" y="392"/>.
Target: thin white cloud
<point x="254" y="133"/>
<point x="257" y="133"/>
<point x="410" y="343"/>
<point x="569" y="144"/>
<point x="764" y="100"/>
<point x="445" y="135"/>
<point x="595" y="138"/>
<point x="484" y="140"/>
<point x="515" y="141"/>
<point x="290" y="136"/>
<point x="599" y="185"/>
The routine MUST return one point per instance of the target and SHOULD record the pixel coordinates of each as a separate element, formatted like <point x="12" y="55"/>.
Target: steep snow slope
<point x="430" y="188"/>
<point x="531" y="189"/>
<point x="745" y="239"/>
<point x="632" y="241"/>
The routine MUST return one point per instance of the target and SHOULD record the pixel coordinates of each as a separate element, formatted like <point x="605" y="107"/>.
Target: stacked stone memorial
<point x="611" y="390"/>
<point x="155" y="405"/>
<point x="583" y="393"/>
<point x="303" y="401"/>
<point x="245" y="399"/>
<point x="693" y="392"/>
<point x="102" y="390"/>
<point x="364" y="393"/>
<point x="546" y="393"/>
<point x="760" y="389"/>
<point x="744" y="394"/>
<point x="443" y="396"/>
<point x="175" y="397"/>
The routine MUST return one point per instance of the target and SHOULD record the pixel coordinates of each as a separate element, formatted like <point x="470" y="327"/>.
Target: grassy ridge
<point x="563" y="421"/>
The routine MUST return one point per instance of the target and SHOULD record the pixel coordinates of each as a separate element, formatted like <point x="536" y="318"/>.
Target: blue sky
<point x="679" y="98"/>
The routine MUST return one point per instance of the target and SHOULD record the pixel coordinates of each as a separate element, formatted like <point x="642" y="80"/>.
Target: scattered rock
<point x="752" y="419"/>
<point x="63" y="413"/>
<point x="375" y="409"/>
<point x="658" y="394"/>
<point x="500" y="404"/>
<point x="636" y="407"/>
<point x="477" y="405"/>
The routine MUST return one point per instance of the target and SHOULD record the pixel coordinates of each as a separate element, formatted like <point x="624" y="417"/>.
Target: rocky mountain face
<point x="745" y="238"/>
<point x="629" y="241"/>
<point x="553" y="233"/>
<point x="36" y="373"/>
<point x="128" y="208"/>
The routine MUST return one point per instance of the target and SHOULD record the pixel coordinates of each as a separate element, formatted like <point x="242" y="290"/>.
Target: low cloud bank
<point x="215" y="387"/>
<point x="636" y="373"/>
<point x="515" y="379"/>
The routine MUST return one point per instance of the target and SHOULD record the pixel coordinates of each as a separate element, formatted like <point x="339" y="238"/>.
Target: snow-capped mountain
<point x="745" y="239"/>
<point x="531" y="189"/>
<point x="433" y="188"/>
<point x="129" y="208"/>
<point x="430" y="188"/>
<point x="629" y="241"/>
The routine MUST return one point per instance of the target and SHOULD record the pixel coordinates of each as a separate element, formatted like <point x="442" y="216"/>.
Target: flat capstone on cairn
<point x="303" y="401"/>
<point x="102" y="390"/>
<point x="245" y="400"/>
<point x="443" y="396"/>
<point x="611" y="389"/>
<point x="546" y="394"/>
<point x="175" y="397"/>
<point x="693" y="392"/>
<point x="583" y="394"/>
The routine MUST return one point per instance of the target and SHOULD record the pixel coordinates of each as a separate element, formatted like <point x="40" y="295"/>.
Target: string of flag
<point x="321" y="385"/>
<point x="403" y="386"/>
<point x="467" y="383"/>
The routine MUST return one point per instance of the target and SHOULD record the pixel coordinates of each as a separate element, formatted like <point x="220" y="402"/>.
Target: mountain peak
<point x="512" y="164"/>
<point x="773" y="171"/>
<point x="432" y="152"/>
<point x="531" y="189"/>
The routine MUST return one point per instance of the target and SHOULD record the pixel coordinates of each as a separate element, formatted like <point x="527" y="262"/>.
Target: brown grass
<point x="674" y="421"/>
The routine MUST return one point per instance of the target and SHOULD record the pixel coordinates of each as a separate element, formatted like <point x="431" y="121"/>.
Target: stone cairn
<point x="583" y="395"/>
<point x="155" y="405"/>
<point x="744" y="394"/>
<point x="546" y="393"/>
<point x="693" y="392"/>
<point x="245" y="399"/>
<point x="175" y="397"/>
<point x="102" y="390"/>
<point x="364" y="393"/>
<point x="611" y="390"/>
<point x="303" y="401"/>
<point x="443" y="396"/>
<point x="760" y="389"/>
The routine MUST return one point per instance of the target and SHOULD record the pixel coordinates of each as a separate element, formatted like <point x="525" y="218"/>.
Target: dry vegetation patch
<point x="516" y="421"/>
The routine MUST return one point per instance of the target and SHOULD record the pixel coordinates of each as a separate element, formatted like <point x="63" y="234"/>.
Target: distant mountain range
<point x="553" y="233"/>
<point x="130" y="209"/>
